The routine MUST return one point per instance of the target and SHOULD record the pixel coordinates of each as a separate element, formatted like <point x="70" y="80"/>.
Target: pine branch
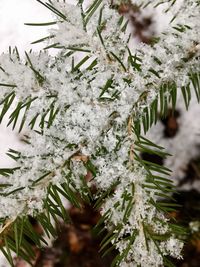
<point x="84" y="114"/>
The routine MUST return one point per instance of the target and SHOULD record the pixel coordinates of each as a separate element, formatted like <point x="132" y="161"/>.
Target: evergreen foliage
<point x="86" y="112"/>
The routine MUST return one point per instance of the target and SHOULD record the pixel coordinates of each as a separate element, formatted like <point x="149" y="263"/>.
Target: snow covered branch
<point x="83" y="111"/>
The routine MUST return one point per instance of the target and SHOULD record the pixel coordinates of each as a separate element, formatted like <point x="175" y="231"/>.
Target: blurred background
<point x="13" y="32"/>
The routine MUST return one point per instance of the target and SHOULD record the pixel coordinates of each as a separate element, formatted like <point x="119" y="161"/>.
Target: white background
<point x="13" y="32"/>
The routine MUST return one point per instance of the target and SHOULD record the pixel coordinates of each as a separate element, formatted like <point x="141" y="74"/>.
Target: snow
<point x="13" y="32"/>
<point x="96" y="126"/>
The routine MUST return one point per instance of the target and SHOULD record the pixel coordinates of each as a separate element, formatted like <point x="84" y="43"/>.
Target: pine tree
<point x="86" y="112"/>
